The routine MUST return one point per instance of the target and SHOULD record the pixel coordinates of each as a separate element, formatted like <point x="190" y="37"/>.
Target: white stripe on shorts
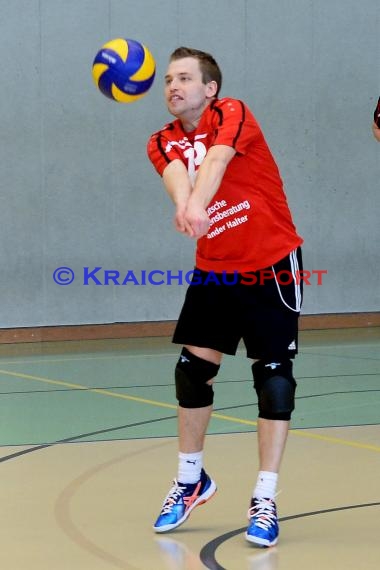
<point x="296" y="280"/>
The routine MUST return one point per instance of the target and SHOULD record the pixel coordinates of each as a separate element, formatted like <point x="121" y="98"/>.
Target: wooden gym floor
<point x="88" y="452"/>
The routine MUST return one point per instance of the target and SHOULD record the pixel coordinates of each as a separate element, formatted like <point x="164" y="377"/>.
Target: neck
<point x="189" y="125"/>
<point x="190" y="120"/>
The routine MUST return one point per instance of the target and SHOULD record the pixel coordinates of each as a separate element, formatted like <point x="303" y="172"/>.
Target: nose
<point x="173" y="85"/>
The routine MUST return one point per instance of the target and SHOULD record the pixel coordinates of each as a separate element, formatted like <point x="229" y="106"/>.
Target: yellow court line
<point x="329" y="439"/>
<point x="84" y="388"/>
<point x="307" y="434"/>
<point x="216" y="415"/>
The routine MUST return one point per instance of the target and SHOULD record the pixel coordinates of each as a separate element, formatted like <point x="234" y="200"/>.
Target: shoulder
<point x="167" y="130"/>
<point x="158" y="141"/>
<point x="225" y="101"/>
<point x="230" y="107"/>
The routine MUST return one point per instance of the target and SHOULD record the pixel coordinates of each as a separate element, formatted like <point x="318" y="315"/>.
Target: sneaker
<point x="181" y="500"/>
<point x="263" y="523"/>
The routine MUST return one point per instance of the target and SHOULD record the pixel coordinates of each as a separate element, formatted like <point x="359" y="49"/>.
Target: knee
<point x="193" y="380"/>
<point x="275" y="388"/>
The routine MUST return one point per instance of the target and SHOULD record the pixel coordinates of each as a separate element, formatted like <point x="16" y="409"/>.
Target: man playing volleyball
<point x="228" y="195"/>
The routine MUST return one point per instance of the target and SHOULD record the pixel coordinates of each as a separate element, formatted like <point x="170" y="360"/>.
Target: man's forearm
<point x="177" y="182"/>
<point x="210" y="174"/>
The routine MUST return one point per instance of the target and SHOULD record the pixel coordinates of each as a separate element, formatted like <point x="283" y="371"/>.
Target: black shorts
<point x="261" y="308"/>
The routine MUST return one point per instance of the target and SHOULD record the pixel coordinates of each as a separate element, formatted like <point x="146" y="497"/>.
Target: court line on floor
<point x="76" y="438"/>
<point x="207" y="553"/>
<point x="82" y="388"/>
<point x="66" y="520"/>
<point x="216" y="415"/>
<point x="305" y="352"/>
<point x="86" y="358"/>
<point x="221" y="382"/>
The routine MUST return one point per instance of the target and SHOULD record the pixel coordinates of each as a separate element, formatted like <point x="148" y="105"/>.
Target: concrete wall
<point x="77" y="189"/>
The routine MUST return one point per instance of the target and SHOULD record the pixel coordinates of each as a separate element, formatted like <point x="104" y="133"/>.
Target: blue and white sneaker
<point x="263" y="523"/>
<point x="181" y="500"/>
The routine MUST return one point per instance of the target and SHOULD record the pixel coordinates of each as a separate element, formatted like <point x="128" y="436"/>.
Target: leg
<point x="192" y="427"/>
<point x="273" y="336"/>
<point x="193" y="422"/>
<point x="194" y="376"/>
<point x="275" y="387"/>
<point x="272" y="436"/>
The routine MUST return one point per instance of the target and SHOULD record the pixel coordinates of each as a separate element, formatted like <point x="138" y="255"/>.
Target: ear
<point x="211" y="89"/>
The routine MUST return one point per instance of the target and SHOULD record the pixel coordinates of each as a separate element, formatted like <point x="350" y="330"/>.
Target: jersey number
<point x="195" y="155"/>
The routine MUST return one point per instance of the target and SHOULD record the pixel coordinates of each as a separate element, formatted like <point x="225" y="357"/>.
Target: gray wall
<point x="77" y="189"/>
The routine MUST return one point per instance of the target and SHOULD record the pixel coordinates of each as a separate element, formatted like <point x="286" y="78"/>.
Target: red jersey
<point x="251" y="224"/>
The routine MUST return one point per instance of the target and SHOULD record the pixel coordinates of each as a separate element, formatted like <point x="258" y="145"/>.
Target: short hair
<point x="209" y="68"/>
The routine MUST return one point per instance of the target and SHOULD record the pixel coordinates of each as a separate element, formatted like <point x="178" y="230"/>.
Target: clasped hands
<point x="192" y="219"/>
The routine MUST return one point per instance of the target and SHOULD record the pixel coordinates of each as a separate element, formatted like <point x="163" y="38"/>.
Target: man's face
<point x="185" y="93"/>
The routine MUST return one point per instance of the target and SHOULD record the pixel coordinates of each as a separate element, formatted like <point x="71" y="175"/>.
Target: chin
<point x="175" y="112"/>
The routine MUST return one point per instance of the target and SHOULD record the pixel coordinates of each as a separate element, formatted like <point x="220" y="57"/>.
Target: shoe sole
<point x="200" y="501"/>
<point x="261" y="541"/>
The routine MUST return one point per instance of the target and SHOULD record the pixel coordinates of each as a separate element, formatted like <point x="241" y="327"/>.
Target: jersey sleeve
<point x="161" y="152"/>
<point x="236" y="126"/>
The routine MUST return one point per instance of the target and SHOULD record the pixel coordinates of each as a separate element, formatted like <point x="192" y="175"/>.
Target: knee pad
<point x="275" y="388"/>
<point x="191" y="376"/>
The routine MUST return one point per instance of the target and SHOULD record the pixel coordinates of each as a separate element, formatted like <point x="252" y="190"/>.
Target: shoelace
<point x="174" y="494"/>
<point x="264" y="512"/>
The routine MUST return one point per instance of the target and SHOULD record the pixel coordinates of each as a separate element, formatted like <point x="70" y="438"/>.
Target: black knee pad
<point x="191" y="376"/>
<point x="275" y="388"/>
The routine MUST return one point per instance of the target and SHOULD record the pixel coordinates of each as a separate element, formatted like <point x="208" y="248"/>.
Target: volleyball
<point x="124" y="70"/>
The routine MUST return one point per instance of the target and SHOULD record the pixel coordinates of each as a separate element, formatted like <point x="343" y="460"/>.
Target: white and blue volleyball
<point x="124" y="70"/>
